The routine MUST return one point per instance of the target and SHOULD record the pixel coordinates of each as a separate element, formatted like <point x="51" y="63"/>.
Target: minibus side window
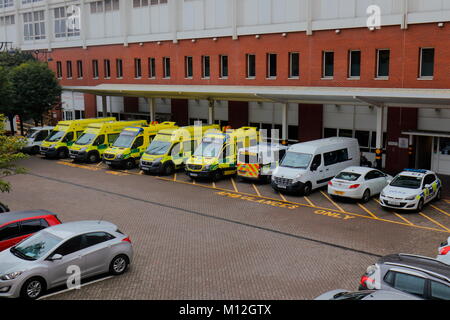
<point x="112" y="137"/>
<point x="342" y="155"/>
<point x="317" y="161"/>
<point x="100" y="140"/>
<point x="68" y="137"/>
<point x="330" y="158"/>
<point x="139" y="142"/>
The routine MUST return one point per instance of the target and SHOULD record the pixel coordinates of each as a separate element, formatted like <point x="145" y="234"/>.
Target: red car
<point x="18" y="225"/>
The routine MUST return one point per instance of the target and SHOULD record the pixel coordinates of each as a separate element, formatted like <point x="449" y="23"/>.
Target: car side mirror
<point x="55" y="257"/>
<point x="427" y="186"/>
<point x="388" y="181"/>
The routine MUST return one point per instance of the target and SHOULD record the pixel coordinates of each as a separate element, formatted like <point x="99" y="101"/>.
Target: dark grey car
<point x="420" y="276"/>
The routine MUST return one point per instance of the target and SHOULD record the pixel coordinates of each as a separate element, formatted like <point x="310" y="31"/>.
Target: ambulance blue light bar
<point x="416" y="170"/>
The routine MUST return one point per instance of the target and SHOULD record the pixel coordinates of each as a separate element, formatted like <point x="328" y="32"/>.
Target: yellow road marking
<point x="434" y="221"/>
<point x="398" y="215"/>
<point x="234" y="185"/>
<point x="309" y="201"/>
<point x="367" y="210"/>
<point x="334" y="203"/>
<point x="282" y="197"/>
<point x="175" y="176"/>
<point x="141" y="172"/>
<point x="256" y="189"/>
<point x="448" y="201"/>
<point x="99" y="164"/>
<point x="316" y="207"/>
<point x="214" y="185"/>
<point x="440" y="210"/>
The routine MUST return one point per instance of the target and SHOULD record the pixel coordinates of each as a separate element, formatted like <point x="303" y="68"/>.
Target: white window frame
<point x="204" y="76"/>
<point x="166" y="68"/>
<point x="324" y="76"/>
<point x="248" y="76"/>
<point x="221" y="73"/>
<point x="378" y="76"/>
<point x="188" y="60"/>
<point x="421" y="77"/>
<point x="350" y="76"/>
<point x="290" y="65"/>
<point x="268" y="75"/>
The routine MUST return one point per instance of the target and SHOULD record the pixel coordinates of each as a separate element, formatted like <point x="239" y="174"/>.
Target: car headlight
<point x="208" y="167"/>
<point x="11" y="276"/>
<point x="410" y="198"/>
<point x="119" y="156"/>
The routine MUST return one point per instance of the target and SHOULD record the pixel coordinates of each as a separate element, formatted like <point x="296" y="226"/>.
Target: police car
<point x="411" y="190"/>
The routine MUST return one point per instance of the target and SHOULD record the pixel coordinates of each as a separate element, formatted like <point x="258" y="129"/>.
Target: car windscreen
<point x="348" y="176"/>
<point x="32" y="133"/>
<point x="209" y="149"/>
<point x="296" y="160"/>
<point x="125" y="140"/>
<point x="158" y="148"/>
<point x="55" y="136"/>
<point x="36" y="246"/>
<point x="408" y="182"/>
<point x="85" y="139"/>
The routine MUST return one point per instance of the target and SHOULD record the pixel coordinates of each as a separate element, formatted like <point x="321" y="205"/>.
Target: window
<point x="69" y="136"/>
<point x="426" y="62"/>
<point x="145" y="3"/>
<point x="329" y="133"/>
<point x="95" y="69"/>
<point x="67" y="22"/>
<point x="166" y="67"/>
<point x="429" y="179"/>
<point x="223" y="66"/>
<point x="69" y="69"/>
<point x="346" y="133"/>
<point x="383" y="59"/>
<point x="10" y="231"/>
<point x="251" y="66"/>
<point x="107" y="67"/>
<point x="189" y="72"/>
<point x="7" y="20"/>
<point x="79" y="114"/>
<point x="363" y="139"/>
<point x="294" y="65"/>
<point x="137" y="68"/>
<point x="112" y="137"/>
<point x="94" y="238"/>
<point x="271" y="65"/>
<point x="99" y="141"/>
<point x="354" y="64"/>
<point x="34" y="25"/>
<point x="334" y="157"/>
<point x="6" y="3"/>
<point x="32" y="226"/>
<point x="206" y="67"/>
<point x="58" y="69"/>
<point x="409" y="283"/>
<point x="328" y="64"/>
<point x="439" y="291"/>
<point x="151" y="68"/>
<point x="138" y="143"/>
<point x="106" y="5"/>
<point x="79" y="69"/>
<point x="119" y="68"/>
<point x="69" y="247"/>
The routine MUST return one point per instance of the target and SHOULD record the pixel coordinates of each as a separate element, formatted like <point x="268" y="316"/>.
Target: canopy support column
<point x="152" y="108"/>
<point x="211" y="114"/>
<point x="379" y="140"/>
<point x="104" y="107"/>
<point x="284" y="123"/>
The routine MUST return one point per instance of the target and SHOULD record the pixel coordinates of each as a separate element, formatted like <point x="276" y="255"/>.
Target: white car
<point x="444" y="252"/>
<point x="358" y="183"/>
<point x="411" y="190"/>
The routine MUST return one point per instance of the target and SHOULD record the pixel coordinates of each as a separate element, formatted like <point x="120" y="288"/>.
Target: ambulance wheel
<point x="168" y="169"/>
<point x="420" y="205"/>
<point x="307" y="189"/>
<point x="129" y="164"/>
<point x="93" y="157"/>
<point x="63" y="153"/>
<point x="35" y="150"/>
<point x="217" y="175"/>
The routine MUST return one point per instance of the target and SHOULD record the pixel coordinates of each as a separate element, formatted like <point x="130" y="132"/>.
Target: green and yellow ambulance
<point x="217" y="155"/>
<point x="98" y="137"/>
<point x="171" y="148"/>
<point x="64" y="135"/>
<point x="132" y="143"/>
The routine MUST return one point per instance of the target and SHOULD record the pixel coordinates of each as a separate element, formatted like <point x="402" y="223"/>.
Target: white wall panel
<point x="432" y="120"/>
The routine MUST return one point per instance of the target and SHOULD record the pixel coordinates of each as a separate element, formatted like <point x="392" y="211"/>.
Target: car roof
<point x="360" y="170"/>
<point x="70" y="229"/>
<point x="7" y="217"/>
<point x="415" y="173"/>
<point x="428" y="265"/>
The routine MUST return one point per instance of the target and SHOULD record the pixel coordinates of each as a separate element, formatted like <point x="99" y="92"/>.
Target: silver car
<point x="48" y="258"/>
<point x="444" y="252"/>
<point x="366" y="295"/>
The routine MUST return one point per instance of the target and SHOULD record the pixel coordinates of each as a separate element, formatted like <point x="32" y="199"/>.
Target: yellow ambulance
<point x="97" y="137"/>
<point x="171" y="148"/>
<point x="217" y="155"/>
<point x="64" y="135"/>
<point x="131" y="144"/>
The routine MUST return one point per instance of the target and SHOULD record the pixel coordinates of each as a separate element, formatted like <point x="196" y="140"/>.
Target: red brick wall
<point x="398" y="121"/>
<point x="310" y="122"/>
<point x="238" y="114"/>
<point x="404" y="46"/>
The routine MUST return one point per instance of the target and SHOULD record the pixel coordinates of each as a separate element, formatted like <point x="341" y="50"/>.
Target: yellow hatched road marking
<point x="334" y="203"/>
<point x="234" y="185"/>
<point x="214" y="185"/>
<point x="256" y="190"/>
<point x="99" y="164"/>
<point x="175" y="176"/>
<point x="367" y="210"/>
<point x="440" y="210"/>
<point x="398" y="215"/>
<point x="309" y="201"/>
<point x="282" y="197"/>
<point x="315" y="207"/>
<point x="434" y="221"/>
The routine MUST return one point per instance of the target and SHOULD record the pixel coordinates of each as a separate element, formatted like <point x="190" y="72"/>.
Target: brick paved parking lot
<point x="224" y="240"/>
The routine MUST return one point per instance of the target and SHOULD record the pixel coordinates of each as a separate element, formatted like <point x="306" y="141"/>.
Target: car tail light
<point x="444" y="251"/>
<point x="354" y="186"/>
<point x="365" y="280"/>
<point x="127" y="239"/>
<point x="330" y="183"/>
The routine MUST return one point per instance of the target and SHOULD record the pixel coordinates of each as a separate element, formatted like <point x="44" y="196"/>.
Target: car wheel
<point x="35" y="150"/>
<point x="119" y="265"/>
<point x="93" y="157"/>
<point x="32" y="289"/>
<point x="63" y="153"/>
<point x="420" y="205"/>
<point x="366" y="196"/>
<point x="307" y="189"/>
<point x="129" y="164"/>
<point x="218" y="175"/>
<point x="438" y="195"/>
<point x="168" y="169"/>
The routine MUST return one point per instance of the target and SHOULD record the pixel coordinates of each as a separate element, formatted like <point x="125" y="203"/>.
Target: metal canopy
<point x="414" y="98"/>
<point x="424" y="133"/>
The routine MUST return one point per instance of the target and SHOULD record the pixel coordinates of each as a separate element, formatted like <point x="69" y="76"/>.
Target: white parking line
<point x="67" y="290"/>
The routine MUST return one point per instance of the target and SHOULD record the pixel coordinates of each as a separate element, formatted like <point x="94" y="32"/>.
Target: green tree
<point x="9" y="154"/>
<point x="35" y="89"/>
